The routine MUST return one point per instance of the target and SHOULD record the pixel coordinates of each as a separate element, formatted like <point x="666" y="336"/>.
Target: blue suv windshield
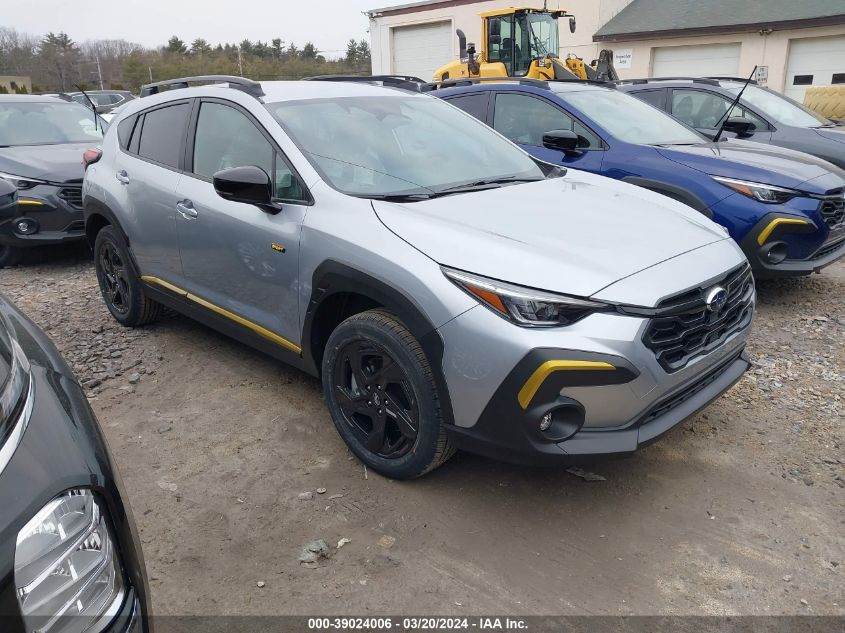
<point x="389" y="146"/>
<point x="631" y="120"/>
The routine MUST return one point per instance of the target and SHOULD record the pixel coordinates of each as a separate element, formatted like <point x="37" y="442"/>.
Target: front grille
<point x="664" y="407"/>
<point x="78" y="225"/>
<point x="827" y="249"/>
<point x="832" y="209"/>
<point x="71" y="195"/>
<point x="686" y="327"/>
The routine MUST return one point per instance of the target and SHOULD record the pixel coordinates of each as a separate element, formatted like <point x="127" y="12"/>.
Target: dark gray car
<point x="702" y="102"/>
<point x="42" y="140"/>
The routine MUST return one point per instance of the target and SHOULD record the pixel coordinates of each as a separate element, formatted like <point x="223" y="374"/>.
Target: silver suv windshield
<point x="631" y="120"/>
<point x="46" y="123"/>
<point x="389" y="146"/>
<point x="779" y="108"/>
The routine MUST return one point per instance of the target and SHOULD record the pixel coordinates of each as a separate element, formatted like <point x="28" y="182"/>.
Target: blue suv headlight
<point x="769" y="194"/>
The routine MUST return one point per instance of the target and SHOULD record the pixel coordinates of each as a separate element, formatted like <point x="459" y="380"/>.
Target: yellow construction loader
<point x="524" y="42"/>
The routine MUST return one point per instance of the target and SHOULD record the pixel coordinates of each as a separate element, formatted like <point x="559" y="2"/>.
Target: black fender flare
<point x="94" y="207"/>
<point x="671" y="191"/>
<point x="333" y="277"/>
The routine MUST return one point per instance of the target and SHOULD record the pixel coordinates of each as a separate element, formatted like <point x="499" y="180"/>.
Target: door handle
<point x="122" y="177"/>
<point x="186" y="209"/>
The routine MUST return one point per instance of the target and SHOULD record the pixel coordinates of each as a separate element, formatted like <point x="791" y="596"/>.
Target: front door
<point x="705" y="110"/>
<point x="524" y="119"/>
<point x="239" y="260"/>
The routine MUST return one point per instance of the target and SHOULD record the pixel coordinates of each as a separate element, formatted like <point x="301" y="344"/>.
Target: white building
<point x="795" y="42"/>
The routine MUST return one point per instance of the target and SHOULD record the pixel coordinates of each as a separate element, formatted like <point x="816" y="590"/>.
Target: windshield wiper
<point x="397" y="197"/>
<point x="481" y="185"/>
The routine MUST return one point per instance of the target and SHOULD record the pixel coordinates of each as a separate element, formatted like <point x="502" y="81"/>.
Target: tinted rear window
<point x="475" y="104"/>
<point x="163" y="132"/>
<point x="124" y="131"/>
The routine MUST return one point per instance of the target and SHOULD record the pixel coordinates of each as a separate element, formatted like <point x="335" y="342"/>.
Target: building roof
<point x="643" y="19"/>
<point x="413" y="7"/>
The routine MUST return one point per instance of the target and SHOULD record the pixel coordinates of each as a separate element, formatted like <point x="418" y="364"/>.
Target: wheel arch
<point x="339" y="291"/>
<point x="671" y="191"/>
<point x="97" y="216"/>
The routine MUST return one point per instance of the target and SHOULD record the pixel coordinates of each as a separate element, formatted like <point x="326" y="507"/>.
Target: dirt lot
<point x="741" y="511"/>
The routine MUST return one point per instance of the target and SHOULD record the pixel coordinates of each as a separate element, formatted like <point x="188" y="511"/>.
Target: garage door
<point x="696" y="61"/>
<point x="421" y="49"/>
<point x="814" y="61"/>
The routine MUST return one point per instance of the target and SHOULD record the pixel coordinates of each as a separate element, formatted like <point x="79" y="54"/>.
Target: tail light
<point x="91" y="156"/>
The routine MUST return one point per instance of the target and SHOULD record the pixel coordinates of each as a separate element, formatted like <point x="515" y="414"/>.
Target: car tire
<point x="382" y="397"/>
<point x="10" y="256"/>
<point x="119" y="284"/>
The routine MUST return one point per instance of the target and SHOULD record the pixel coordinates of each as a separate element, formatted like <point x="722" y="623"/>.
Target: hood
<point x="756" y="162"/>
<point x="56" y="163"/>
<point x="834" y="133"/>
<point x="574" y="235"/>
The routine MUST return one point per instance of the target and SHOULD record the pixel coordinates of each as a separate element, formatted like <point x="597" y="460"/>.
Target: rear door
<point x="237" y="257"/>
<point x="149" y="169"/>
<point x="524" y="119"/>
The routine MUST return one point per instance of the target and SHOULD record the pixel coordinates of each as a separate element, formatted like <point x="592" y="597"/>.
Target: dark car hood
<point x="56" y="163"/>
<point x="756" y="162"/>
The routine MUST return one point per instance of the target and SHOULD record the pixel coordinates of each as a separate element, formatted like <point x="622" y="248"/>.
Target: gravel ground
<point x="741" y="511"/>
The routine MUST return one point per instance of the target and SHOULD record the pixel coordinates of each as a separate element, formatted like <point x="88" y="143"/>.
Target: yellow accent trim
<point x="33" y="203"/>
<point x="161" y="282"/>
<point x="261" y="331"/>
<point x="535" y="381"/>
<point x="761" y="239"/>
<point x="278" y="248"/>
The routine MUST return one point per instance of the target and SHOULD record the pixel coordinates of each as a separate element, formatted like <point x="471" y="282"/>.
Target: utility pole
<point x="99" y="72"/>
<point x="150" y="69"/>
<point x="240" y="63"/>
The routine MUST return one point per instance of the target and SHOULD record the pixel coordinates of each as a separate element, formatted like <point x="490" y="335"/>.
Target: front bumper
<point x="62" y="448"/>
<point x="56" y="210"/>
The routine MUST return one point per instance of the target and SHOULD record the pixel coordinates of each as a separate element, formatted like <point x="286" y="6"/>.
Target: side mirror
<point x="248" y="184"/>
<point x="739" y="126"/>
<point x="562" y="140"/>
<point x="572" y="25"/>
<point x="495" y="28"/>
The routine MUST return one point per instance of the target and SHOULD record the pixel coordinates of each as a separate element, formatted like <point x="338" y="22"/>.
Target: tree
<point x="135" y="71"/>
<point x="175" y="45"/>
<point x="277" y="45"/>
<point x="200" y="47"/>
<point x="246" y="47"/>
<point x="59" y="54"/>
<point x="352" y="53"/>
<point x="309" y="51"/>
<point x="364" y="55"/>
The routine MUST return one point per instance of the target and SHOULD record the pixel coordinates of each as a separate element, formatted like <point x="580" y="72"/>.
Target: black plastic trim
<point x="671" y="191"/>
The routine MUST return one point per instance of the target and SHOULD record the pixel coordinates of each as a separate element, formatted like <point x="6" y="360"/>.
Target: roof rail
<point x="709" y="81"/>
<point x="407" y="82"/>
<point x="468" y="81"/>
<point x="243" y="84"/>
<point x="729" y="78"/>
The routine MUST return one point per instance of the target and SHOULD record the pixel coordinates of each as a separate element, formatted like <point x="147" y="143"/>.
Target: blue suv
<point x="784" y="208"/>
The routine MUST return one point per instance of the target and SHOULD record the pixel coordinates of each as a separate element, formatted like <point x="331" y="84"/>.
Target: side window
<point x="700" y="109"/>
<point x="162" y="134"/>
<point x="226" y="138"/>
<point x="124" y="131"/>
<point x="525" y="119"/>
<point x="500" y="48"/>
<point x="657" y="98"/>
<point x="474" y="104"/>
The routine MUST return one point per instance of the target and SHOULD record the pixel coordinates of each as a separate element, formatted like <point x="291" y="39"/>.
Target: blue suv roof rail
<point x="250" y="87"/>
<point x="406" y="82"/>
<point x="710" y="81"/>
<point x="468" y="81"/>
<point x="729" y="78"/>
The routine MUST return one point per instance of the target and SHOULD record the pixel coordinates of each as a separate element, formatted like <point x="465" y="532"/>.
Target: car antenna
<point x="727" y="114"/>
<point x="93" y="107"/>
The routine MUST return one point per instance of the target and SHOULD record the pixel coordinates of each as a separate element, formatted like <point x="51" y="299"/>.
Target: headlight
<point x="21" y="182"/>
<point x="525" y="306"/>
<point x="764" y="193"/>
<point x="67" y="572"/>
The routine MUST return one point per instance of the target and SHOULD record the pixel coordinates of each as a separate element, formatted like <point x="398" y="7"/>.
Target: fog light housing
<point x="774" y="253"/>
<point x="562" y="421"/>
<point x="26" y="226"/>
<point x="68" y="577"/>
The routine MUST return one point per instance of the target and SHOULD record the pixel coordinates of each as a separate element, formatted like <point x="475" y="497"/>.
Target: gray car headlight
<point x="67" y="573"/>
<point x="525" y="306"/>
<point x="22" y="182"/>
<point x="764" y="193"/>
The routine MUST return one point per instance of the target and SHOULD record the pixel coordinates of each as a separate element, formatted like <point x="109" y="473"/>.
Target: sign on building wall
<point x="762" y="75"/>
<point x="623" y="57"/>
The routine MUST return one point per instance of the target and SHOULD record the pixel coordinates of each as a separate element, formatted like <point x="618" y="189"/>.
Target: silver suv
<point x="450" y="291"/>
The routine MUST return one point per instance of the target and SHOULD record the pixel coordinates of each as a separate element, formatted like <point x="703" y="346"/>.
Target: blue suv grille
<point x="832" y="209"/>
<point x="694" y="329"/>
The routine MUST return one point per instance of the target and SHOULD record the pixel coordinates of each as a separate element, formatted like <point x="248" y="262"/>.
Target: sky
<point x="328" y="23"/>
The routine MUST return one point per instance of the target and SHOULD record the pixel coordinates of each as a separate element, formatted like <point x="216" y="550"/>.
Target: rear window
<point x="474" y="104"/>
<point x="162" y="135"/>
<point x="124" y="131"/>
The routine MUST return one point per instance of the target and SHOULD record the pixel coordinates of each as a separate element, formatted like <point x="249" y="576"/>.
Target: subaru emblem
<point x="716" y="299"/>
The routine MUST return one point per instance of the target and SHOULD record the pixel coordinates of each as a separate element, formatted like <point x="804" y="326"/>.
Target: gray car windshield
<point x="781" y="109"/>
<point x="391" y="145"/>
<point x="631" y="120"/>
<point x="46" y="123"/>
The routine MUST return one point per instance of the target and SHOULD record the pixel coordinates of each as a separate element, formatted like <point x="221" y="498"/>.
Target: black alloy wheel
<point x="114" y="280"/>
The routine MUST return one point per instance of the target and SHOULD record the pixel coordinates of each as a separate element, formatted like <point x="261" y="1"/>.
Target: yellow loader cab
<point x="523" y="42"/>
